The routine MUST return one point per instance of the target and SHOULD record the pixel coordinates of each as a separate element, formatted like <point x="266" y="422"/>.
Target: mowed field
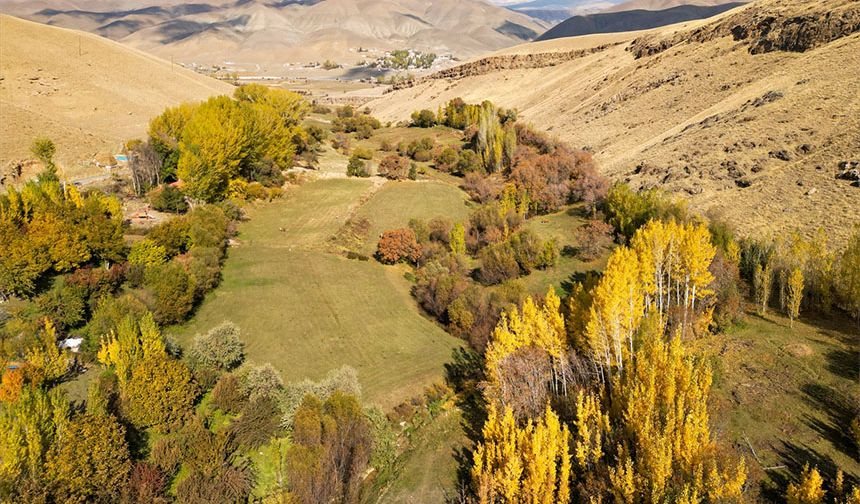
<point x="399" y="202"/>
<point x="307" y="311"/>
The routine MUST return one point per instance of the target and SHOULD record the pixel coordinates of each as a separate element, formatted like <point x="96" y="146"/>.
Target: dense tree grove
<point x="543" y="171"/>
<point x="619" y="378"/>
<point x="46" y="227"/>
<point x="65" y="282"/>
<point x="249" y="139"/>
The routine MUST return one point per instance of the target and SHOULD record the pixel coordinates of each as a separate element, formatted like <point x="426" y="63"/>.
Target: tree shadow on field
<point x="844" y="363"/>
<point x="579" y="277"/>
<point x="579" y="211"/>
<point x="465" y="374"/>
<point x="795" y="457"/>
<point x="839" y="411"/>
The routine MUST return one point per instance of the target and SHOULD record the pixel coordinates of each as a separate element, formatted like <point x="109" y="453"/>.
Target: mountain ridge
<point x="632" y="20"/>
<point x="210" y="32"/>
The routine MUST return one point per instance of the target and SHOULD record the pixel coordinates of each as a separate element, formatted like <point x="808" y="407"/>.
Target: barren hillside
<point x="263" y="32"/>
<point x="749" y="114"/>
<point x="86" y="93"/>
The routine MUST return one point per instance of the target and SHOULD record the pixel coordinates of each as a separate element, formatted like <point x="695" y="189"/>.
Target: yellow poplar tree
<point x="592" y="427"/>
<point x="809" y="490"/>
<point x="616" y="310"/>
<point x="660" y="403"/>
<point x="538" y="326"/>
<point x="458" y="239"/>
<point x="28" y="428"/>
<point x="794" y="294"/>
<point x="529" y="464"/>
<point x="131" y="342"/>
<point x="762" y="280"/>
<point x="46" y="361"/>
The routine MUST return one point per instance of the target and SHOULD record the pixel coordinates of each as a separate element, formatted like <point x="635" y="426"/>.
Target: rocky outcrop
<point x="493" y="64"/>
<point x="849" y="170"/>
<point x="793" y="25"/>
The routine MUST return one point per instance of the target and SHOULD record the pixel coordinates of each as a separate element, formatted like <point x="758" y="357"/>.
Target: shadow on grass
<point x="795" y="457"/>
<point x="839" y="412"/>
<point x="464" y="374"/>
<point x="586" y="278"/>
<point x="579" y="211"/>
<point x="844" y="363"/>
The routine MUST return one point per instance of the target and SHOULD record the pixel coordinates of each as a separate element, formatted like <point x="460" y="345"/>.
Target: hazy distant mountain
<point x="268" y="31"/>
<point x="556" y="11"/>
<point x="630" y="20"/>
<point x="655" y="5"/>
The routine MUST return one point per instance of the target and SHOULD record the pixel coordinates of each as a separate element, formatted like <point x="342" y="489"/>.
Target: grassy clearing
<point x="440" y="134"/>
<point x="787" y="394"/>
<point x="427" y="472"/>
<point x="562" y="226"/>
<point x="308" y="312"/>
<point x="398" y="202"/>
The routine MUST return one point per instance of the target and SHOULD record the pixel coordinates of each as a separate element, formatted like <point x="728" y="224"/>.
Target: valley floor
<point x="308" y="311"/>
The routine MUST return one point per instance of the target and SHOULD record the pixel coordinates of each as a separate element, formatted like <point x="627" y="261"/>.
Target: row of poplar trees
<point x="597" y="400"/>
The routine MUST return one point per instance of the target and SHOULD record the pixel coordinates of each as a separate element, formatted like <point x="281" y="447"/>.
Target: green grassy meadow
<point x="561" y="226"/>
<point x="782" y="396"/>
<point x="398" y="202"/>
<point x="307" y="311"/>
<point x="427" y="472"/>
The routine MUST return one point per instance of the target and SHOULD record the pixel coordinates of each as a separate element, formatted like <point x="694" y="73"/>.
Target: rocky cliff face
<point x="773" y="27"/>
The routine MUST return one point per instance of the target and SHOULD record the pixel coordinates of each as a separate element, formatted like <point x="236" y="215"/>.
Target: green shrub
<point x="168" y="199"/>
<point x="147" y="253"/>
<point x="362" y="153"/>
<point x="423" y="119"/>
<point x="422" y="156"/>
<point x="498" y="264"/>
<point x="173" y="292"/>
<point x="220" y="347"/>
<point x="446" y="159"/>
<point x="469" y="162"/>
<point x="356" y="167"/>
<point x="64" y="303"/>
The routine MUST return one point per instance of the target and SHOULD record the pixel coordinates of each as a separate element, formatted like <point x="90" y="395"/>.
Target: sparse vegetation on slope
<point x="694" y="108"/>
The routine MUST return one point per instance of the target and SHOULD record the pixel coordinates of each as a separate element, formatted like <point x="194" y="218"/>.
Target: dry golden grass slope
<point x="85" y="92"/>
<point x="697" y="112"/>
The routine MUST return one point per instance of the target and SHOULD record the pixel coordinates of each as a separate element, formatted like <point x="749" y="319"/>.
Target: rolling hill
<point x="632" y="20"/>
<point x="257" y="31"/>
<point x="86" y="93"/>
<point x="750" y="114"/>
